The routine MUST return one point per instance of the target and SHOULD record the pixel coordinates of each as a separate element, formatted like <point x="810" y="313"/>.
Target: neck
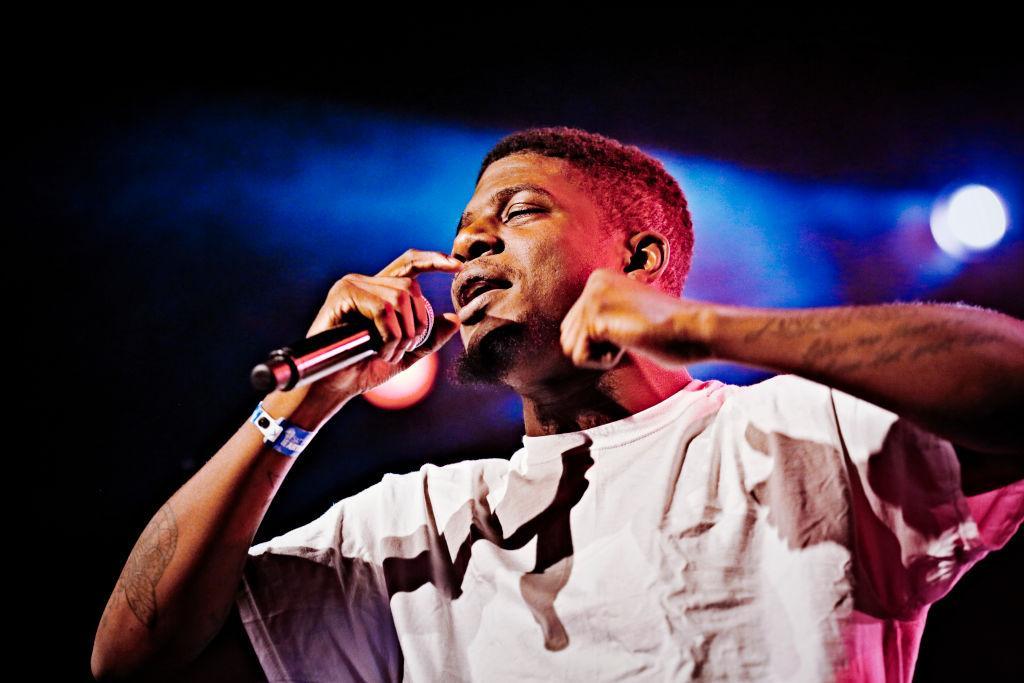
<point x="589" y="398"/>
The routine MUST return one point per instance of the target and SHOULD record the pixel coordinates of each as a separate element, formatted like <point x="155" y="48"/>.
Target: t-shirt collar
<point x="617" y="432"/>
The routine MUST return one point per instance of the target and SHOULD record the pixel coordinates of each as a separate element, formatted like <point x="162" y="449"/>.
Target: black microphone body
<point x="325" y="353"/>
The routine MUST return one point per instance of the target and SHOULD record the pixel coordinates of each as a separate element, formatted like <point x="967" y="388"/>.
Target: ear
<point x="647" y="256"/>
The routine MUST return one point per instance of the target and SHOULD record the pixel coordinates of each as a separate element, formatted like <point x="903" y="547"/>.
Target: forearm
<point x="180" y="580"/>
<point x="955" y="370"/>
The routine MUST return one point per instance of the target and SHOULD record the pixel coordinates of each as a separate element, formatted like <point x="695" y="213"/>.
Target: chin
<point x="497" y="346"/>
<point x="493" y="350"/>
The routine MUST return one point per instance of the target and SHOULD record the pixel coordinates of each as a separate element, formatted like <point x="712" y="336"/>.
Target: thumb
<point x="445" y="328"/>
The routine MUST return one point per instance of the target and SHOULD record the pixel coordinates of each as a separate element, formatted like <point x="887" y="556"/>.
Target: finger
<point x="581" y="352"/>
<point x="578" y="328"/>
<point x="416" y="261"/>
<point x="578" y="335"/>
<point x="410" y="285"/>
<point x="420" y="308"/>
<point x="567" y="321"/>
<point x="600" y="352"/>
<point x="408" y="321"/>
<point x="573" y="313"/>
<point x="389" y="320"/>
<point x="400" y="298"/>
<point x="590" y="352"/>
<point x="580" y="344"/>
<point x="569" y="335"/>
<point x="382" y="313"/>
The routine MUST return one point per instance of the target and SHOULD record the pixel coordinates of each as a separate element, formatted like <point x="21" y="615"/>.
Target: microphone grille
<point x="430" y="325"/>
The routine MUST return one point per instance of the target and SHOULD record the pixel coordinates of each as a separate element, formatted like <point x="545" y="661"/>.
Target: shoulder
<point x="402" y="504"/>
<point x="397" y="491"/>
<point x="802" y="408"/>
<point x="398" y="504"/>
<point x="440" y="480"/>
<point x="786" y="404"/>
<point x="397" y="487"/>
<point x="779" y="392"/>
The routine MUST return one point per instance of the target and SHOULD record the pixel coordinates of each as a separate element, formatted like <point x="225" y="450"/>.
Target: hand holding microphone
<point x="369" y="329"/>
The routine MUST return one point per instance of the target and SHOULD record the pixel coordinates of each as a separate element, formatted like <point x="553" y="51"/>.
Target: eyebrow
<point x="501" y="197"/>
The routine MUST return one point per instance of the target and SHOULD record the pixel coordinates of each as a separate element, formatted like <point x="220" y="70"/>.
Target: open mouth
<point x="473" y="311"/>
<point x="476" y="286"/>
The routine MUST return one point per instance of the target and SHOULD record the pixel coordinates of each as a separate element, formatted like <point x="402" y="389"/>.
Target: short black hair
<point x="632" y="188"/>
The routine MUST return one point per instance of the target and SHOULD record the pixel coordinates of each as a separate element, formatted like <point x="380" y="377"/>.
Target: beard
<point x="504" y="348"/>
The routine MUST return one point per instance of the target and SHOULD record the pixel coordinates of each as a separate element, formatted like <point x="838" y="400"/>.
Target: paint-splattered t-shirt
<point x="783" y="531"/>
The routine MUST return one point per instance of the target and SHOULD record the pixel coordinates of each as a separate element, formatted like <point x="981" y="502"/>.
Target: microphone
<point x="325" y="353"/>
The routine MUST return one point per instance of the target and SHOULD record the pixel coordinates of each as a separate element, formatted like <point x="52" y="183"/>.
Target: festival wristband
<point x="285" y="438"/>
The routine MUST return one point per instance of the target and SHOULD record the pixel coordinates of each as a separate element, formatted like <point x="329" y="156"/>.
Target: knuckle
<point x="386" y="312"/>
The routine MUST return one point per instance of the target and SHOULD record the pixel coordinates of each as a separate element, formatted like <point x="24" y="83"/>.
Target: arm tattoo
<point x="908" y="341"/>
<point x="897" y="339"/>
<point x="798" y="327"/>
<point x="147" y="563"/>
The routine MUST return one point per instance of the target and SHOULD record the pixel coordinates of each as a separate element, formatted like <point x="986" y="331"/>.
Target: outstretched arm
<point x="952" y="369"/>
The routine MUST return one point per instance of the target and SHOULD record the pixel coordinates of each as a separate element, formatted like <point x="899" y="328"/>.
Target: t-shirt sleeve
<point x="314" y="602"/>
<point x="915" y="532"/>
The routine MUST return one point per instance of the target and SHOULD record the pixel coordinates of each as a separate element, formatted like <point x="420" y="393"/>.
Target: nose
<point x="477" y="239"/>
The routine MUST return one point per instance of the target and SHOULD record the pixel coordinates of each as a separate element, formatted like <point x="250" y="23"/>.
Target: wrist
<point x="737" y="334"/>
<point x="305" y="407"/>
<point x="716" y="327"/>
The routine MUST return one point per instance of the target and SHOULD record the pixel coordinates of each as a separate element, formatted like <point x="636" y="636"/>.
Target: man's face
<point x="538" y="237"/>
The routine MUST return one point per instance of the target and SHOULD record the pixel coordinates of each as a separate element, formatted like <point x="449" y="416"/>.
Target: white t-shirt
<point x="783" y="531"/>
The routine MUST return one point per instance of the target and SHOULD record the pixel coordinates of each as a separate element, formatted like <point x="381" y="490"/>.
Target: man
<point x="653" y="526"/>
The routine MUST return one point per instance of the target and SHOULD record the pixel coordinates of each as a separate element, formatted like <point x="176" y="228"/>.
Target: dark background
<point x="140" y="163"/>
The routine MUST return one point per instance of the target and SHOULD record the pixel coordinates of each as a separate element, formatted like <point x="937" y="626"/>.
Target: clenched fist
<point x="616" y="313"/>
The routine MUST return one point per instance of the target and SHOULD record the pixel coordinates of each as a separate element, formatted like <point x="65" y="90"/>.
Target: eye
<point x="522" y="211"/>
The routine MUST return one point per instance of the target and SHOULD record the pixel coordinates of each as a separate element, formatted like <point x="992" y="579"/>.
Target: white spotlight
<point x="972" y="219"/>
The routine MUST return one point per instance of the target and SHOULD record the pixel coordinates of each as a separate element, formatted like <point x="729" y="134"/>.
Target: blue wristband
<point x="285" y="438"/>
